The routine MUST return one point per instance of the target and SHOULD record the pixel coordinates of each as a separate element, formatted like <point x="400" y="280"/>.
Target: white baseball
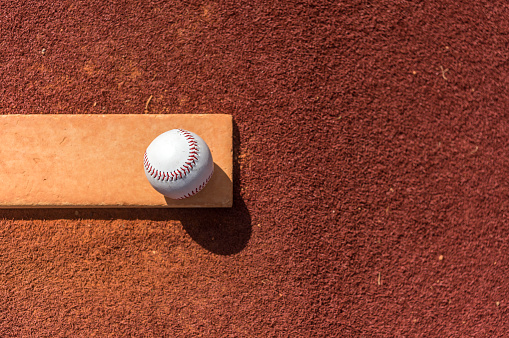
<point x="178" y="164"/>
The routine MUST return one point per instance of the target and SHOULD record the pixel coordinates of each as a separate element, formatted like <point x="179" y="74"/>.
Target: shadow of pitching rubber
<point x="223" y="231"/>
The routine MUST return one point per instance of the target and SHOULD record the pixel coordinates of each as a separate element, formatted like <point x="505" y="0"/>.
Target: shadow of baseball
<point x="219" y="188"/>
<point x="221" y="231"/>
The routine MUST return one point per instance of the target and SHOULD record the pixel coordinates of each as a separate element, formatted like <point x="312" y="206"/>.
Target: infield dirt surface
<point x="371" y="170"/>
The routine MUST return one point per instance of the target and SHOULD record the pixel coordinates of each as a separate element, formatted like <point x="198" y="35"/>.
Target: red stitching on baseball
<point x="195" y="191"/>
<point x="178" y="173"/>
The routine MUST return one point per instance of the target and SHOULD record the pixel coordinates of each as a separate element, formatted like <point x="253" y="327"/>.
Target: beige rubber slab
<point x="97" y="160"/>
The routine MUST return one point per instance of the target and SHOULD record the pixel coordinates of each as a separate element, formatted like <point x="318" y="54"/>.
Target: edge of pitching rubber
<point x="18" y="128"/>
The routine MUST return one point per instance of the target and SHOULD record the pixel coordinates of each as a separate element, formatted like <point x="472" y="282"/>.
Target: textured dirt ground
<point x="371" y="173"/>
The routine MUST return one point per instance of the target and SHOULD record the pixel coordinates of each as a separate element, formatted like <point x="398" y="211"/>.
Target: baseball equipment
<point x="178" y="164"/>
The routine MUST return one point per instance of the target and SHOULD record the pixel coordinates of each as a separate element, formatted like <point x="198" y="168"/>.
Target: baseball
<point x="178" y="164"/>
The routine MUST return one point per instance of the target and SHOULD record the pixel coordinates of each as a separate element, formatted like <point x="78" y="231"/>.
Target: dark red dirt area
<point x="371" y="170"/>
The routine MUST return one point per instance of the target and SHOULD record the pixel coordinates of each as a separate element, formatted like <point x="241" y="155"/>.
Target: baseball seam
<point x="195" y="191"/>
<point x="178" y="173"/>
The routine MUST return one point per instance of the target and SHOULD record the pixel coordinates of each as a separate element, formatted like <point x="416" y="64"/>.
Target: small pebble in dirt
<point x="441" y="258"/>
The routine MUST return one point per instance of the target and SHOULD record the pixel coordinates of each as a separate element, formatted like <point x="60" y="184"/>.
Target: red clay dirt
<point x="370" y="178"/>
